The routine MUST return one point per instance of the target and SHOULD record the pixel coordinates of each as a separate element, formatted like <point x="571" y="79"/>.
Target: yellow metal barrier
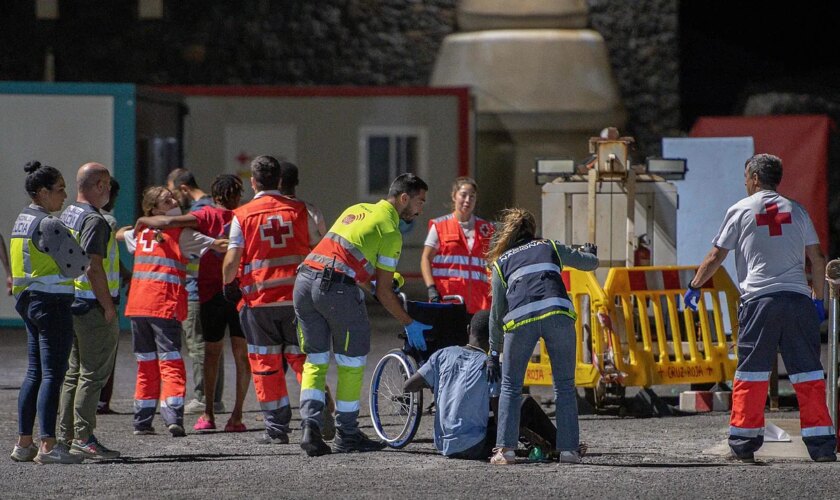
<point x="634" y="331"/>
<point x="594" y="335"/>
<point x="662" y="343"/>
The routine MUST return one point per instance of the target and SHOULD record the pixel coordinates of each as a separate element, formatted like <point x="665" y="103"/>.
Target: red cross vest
<point x="276" y="233"/>
<point x="458" y="271"/>
<point x="159" y="276"/>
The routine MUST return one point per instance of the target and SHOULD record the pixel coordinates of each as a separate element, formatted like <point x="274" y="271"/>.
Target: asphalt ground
<point x="628" y="457"/>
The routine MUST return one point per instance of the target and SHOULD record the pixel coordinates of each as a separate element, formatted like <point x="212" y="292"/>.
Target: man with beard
<point x="364" y="244"/>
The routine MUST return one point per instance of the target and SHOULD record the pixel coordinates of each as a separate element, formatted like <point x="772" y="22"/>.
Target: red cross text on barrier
<point x="148" y="240"/>
<point x="276" y="231"/>
<point x="773" y="219"/>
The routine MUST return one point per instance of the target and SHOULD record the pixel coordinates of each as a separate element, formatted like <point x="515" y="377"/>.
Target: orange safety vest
<point x="159" y="276"/>
<point x="276" y="233"/>
<point x="457" y="270"/>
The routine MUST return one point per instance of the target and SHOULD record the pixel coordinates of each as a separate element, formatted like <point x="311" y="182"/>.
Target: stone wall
<point x="328" y="42"/>
<point x="643" y="43"/>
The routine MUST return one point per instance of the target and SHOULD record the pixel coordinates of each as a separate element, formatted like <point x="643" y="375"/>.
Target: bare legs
<point x="212" y="358"/>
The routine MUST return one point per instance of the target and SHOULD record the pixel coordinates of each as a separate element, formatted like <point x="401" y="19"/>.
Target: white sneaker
<point x="503" y="456"/>
<point x="26" y="454"/>
<point x="93" y="449"/>
<point x="569" y="457"/>
<point x="60" y="454"/>
<point x="194" y="406"/>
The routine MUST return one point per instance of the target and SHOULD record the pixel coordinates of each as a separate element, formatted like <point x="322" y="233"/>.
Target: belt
<point x="337" y="277"/>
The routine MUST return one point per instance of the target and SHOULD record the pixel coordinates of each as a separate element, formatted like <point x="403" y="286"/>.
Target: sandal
<point x="231" y="427"/>
<point x="204" y="425"/>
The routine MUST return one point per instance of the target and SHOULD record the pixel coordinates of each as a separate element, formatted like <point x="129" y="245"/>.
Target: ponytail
<point x="516" y="224"/>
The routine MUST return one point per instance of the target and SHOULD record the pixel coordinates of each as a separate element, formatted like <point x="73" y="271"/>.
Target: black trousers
<point x="531" y="416"/>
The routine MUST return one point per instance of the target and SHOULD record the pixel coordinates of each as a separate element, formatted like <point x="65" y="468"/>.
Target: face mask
<point x="174" y="211"/>
<point x="406" y="227"/>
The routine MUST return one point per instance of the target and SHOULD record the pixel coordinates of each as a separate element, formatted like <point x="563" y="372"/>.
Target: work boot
<point x="328" y="432"/>
<point x="312" y="443"/>
<point x="358" y="441"/>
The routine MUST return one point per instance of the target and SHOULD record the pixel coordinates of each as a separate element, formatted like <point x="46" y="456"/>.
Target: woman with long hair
<point x="45" y="260"/>
<point x="453" y="260"/>
<point x="530" y="302"/>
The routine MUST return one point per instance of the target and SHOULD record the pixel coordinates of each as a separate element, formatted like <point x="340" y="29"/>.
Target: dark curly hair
<point x="226" y="190"/>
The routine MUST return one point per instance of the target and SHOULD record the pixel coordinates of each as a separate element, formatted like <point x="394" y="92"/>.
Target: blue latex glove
<point x="820" y="305"/>
<point x="415" y="334"/>
<point x="691" y="297"/>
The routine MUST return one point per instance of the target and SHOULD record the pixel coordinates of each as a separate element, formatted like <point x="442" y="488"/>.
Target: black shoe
<point x="355" y="442"/>
<point x="748" y="458"/>
<point x="826" y="458"/>
<point x="279" y="438"/>
<point x="312" y="443"/>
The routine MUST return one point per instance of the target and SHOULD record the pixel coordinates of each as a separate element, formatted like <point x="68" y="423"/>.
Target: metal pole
<point x="832" y="276"/>
<point x="592" y="216"/>
<point x="630" y="242"/>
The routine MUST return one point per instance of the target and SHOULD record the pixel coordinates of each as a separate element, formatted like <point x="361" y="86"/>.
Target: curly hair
<point x="515" y="224"/>
<point x="226" y="190"/>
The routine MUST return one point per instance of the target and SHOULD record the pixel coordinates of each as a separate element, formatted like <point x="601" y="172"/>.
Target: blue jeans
<point x="558" y="332"/>
<point x="49" y="328"/>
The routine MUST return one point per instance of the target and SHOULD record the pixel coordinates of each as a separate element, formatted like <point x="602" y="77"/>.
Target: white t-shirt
<point x="768" y="234"/>
<point x="468" y="228"/>
<point x="237" y="240"/>
<point x="193" y="244"/>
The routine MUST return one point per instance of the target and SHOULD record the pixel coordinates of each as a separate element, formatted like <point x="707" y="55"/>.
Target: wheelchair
<point x="396" y="414"/>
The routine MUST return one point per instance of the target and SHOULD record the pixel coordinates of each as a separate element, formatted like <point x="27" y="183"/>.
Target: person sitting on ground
<point x="465" y="383"/>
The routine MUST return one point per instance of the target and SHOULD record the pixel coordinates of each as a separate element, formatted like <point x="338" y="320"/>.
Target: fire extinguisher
<point x="641" y="256"/>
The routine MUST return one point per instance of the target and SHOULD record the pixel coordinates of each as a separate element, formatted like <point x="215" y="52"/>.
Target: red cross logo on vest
<point x="773" y="219"/>
<point x="148" y="239"/>
<point x="276" y="231"/>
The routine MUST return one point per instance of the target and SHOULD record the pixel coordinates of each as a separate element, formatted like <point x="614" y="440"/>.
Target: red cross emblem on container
<point x="773" y="219"/>
<point x="276" y="231"/>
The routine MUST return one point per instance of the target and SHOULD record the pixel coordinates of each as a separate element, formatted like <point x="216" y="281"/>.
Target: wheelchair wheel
<point x="395" y="414"/>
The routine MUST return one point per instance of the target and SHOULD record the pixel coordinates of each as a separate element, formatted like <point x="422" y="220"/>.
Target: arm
<point x="168" y="221"/>
<point x="498" y="308"/>
<point x="576" y="258"/>
<point x="120" y="234"/>
<point x="99" y="284"/>
<point x="387" y="297"/>
<point x="415" y="383"/>
<point x="230" y="266"/>
<point x="4" y="258"/>
<point x="220" y="245"/>
<point x="815" y="255"/>
<point x="94" y="236"/>
<point x="426" y="265"/>
<point x="711" y="263"/>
